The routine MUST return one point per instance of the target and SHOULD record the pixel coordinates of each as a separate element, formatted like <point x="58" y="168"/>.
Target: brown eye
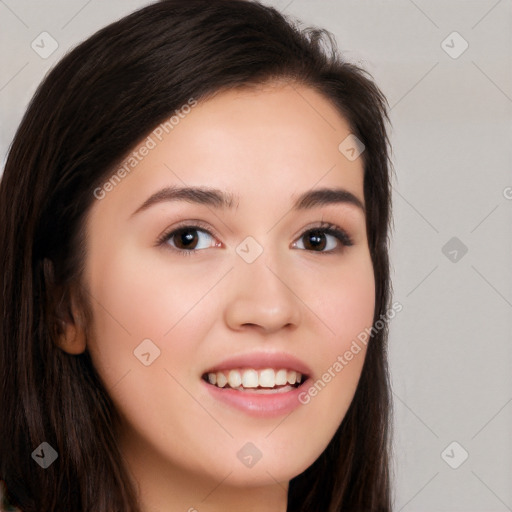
<point x="187" y="239"/>
<point x="325" y="240"/>
<point x="315" y="240"/>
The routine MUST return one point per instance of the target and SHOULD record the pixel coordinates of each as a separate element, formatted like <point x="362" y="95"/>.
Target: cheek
<point x="344" y="301"/>
<point x="346" y="307"/>
<point x="137" y="300"/>
<point x="353" y="304"/>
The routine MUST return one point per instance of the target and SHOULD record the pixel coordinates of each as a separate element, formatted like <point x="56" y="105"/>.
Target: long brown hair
<point x="97" y="103"/>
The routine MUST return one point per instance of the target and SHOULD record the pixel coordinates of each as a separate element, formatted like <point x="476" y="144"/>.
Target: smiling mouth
<point x="268" y="380"/>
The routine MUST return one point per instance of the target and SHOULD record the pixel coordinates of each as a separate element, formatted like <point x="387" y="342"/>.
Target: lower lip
<point x="258" y="404"/>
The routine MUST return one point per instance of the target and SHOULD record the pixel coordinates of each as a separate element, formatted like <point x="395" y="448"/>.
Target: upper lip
<point x="260" y="361"/>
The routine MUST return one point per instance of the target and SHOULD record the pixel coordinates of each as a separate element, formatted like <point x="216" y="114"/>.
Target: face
<point x="266" y="286"/>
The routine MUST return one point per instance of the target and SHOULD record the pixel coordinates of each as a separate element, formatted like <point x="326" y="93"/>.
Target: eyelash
<point x="324" y="227"/>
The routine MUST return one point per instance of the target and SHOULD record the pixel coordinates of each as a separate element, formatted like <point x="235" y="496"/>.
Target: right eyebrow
<point x="199" y="195"/>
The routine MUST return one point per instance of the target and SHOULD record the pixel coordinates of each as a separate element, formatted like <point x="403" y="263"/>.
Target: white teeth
<point x="291" y="377"/>
<point x="234" y="378"/>
<point x="221" y="380"/>
<point x="281" y="378"/>
<point x="250" y="379"/>
<point x="267" y="378"/>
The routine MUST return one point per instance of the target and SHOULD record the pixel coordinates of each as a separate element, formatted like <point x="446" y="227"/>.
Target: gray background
<point x="450" y="348"/>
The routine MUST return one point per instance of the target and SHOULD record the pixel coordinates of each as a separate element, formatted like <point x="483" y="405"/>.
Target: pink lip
<point x="255" y="404"/>
<point x="259" y="405"/>
<point x="261" y="360"/>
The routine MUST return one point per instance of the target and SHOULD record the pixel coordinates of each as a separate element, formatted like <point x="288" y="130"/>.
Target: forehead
<point x="267" y="143"/>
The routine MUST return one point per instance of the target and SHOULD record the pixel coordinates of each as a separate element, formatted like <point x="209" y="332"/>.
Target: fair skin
<point x="180" y="440"/>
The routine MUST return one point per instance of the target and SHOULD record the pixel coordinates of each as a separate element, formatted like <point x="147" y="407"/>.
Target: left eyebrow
<point x="324" y="196"/>
<point x="217" y="198"/>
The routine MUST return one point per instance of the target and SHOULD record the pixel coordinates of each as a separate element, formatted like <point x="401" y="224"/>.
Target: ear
<point x="67" y="319"/>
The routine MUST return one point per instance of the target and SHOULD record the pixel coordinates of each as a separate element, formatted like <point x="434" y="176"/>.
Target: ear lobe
<point x="72" y="338"/>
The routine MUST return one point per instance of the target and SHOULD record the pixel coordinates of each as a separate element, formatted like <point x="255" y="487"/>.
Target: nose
<point x="262" y="296"/>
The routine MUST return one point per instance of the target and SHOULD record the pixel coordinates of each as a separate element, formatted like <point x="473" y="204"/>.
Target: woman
<point x="250" y="375"/>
